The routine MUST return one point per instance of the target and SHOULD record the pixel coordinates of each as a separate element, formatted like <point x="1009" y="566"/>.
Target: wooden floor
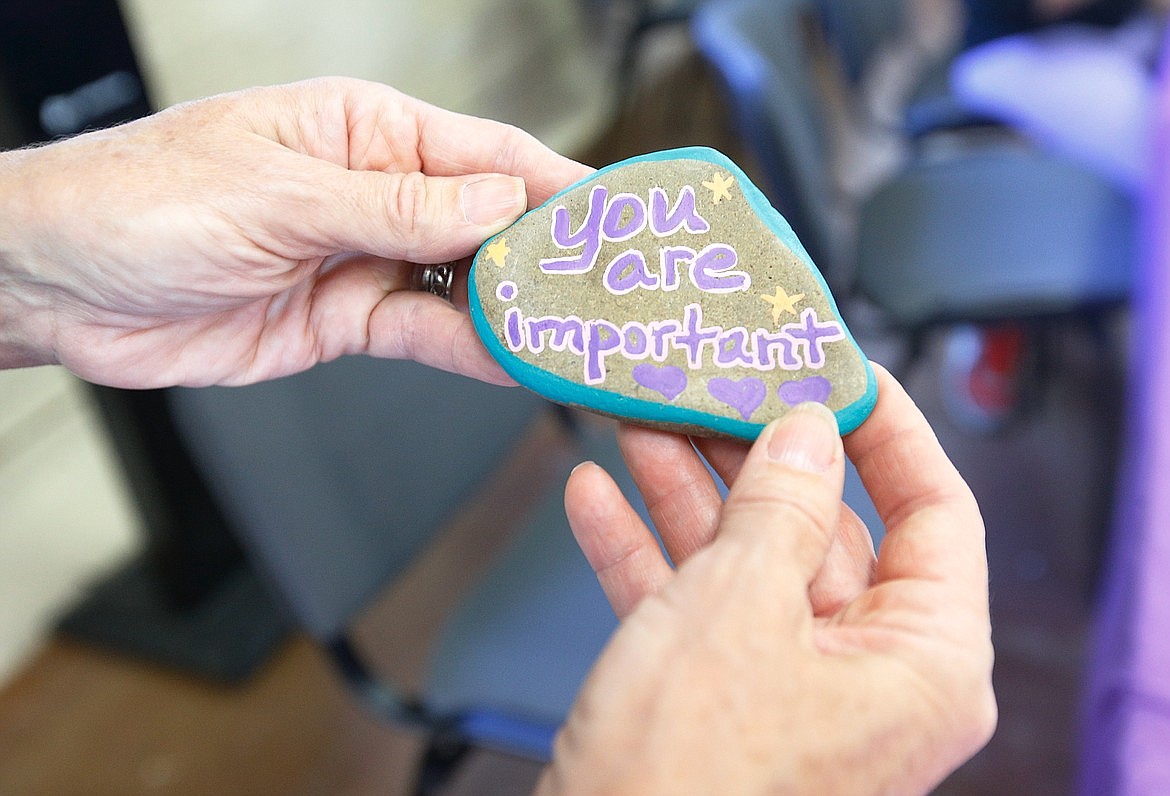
<point x="80" y="720"/>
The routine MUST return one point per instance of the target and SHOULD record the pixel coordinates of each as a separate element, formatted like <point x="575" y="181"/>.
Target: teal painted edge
<point x="562" y="390"/>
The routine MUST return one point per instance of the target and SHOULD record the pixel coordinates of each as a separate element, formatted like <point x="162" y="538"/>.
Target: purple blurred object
<point x="1081" y="91"/>
<point x="1126" y="711"/>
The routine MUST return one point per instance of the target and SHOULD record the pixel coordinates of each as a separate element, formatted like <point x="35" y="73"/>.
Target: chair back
<point x="336" y="478"/>
<point x="998" y="234"/>
<point x="758" y="48"/>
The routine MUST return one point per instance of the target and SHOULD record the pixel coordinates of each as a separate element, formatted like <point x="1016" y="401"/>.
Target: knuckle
<point x="793" y="504"/>
<point x="974" y="716"/>
<point x="513" y="142"/>
<point x="967" y="698"/>
<point x="985" y="712"/>
<point x="401" y="340"/>
<point x="410" y="202"/>
<point x="987" y="715"/>
<point x="411" y="198"/>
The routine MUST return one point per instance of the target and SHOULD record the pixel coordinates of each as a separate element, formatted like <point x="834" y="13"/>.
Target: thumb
<point x="420" y="218"/>
<point x="786" y="500"/>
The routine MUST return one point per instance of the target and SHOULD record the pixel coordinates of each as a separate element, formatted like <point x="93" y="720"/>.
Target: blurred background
<point x="967" y="174"/>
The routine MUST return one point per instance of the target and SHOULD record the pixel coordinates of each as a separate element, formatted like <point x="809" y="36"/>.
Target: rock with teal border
<point x="665" y="290"/>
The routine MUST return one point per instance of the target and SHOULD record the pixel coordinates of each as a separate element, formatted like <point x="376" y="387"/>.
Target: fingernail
<point x="493" y="199"/>
<point x="805" y="438"/>
<point x="579" y="466"/>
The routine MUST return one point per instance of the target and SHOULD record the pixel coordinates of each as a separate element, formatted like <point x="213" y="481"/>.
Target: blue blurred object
<point x="990" y="232"/>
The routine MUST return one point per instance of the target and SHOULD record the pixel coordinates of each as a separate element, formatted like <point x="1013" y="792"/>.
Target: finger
<point x="618" y="545"/>
<point x="931" y="573"/>
<point x="459" y="297"/>
<point x="424" y="328"/>
<point x="451" y="143"/>
<point x="679" y="492"/>
<point x="933" y="526"/>
<point x="360" y="306"/>
<point x="848" y="567"/>
<point x="393" y="145"/>
<point x="725" y="455"/>
<point x="786" y="501"/>
<point x="411" y="216"/>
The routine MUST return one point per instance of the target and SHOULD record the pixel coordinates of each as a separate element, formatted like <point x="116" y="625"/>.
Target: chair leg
<point x="444" y="754"/>
<point x="1113" y="385"/>
<point x="379" y="696"/>
<point x="567" y="420"/>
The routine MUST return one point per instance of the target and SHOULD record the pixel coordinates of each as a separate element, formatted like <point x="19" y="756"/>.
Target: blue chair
<point x="336" y="480"/>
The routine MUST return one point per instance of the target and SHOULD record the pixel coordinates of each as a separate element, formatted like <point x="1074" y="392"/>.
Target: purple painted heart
<point x="744" y="395"/>
<point x="667" y="380"/>
<point x="798" y="391"/>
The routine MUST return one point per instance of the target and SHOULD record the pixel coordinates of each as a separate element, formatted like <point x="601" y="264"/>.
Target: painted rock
<point x="665" y="290"/>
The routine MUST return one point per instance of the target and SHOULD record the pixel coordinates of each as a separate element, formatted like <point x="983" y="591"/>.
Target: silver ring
<point x="435" y="279"/>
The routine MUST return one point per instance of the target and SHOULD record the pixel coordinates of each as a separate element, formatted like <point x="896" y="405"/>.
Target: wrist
<point x="25" y="311"/>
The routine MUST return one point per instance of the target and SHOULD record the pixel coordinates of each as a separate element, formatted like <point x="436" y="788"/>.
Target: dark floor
<point x="1043" y="485"/>
<point x="1044" y="488"/>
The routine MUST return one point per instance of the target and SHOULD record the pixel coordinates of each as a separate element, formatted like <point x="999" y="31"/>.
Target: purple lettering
<point x="733" y="349"/>
<point x="619" y="225"/>
<point x="628" y="272"/>
<point x="669" y="258"/>
<point x="766" y="342"/>
<point x="710" y="271"/>
<point x="695" y="336"/>
<point x="660" y="332"/>
<point x="562" y="333"/>
<point x="602" y="338"/>
<point x="635" y="341"/>
<point x="587" y="235"/>
<point x="506" y="291"/>
<point x="512" y="331"/>
<point x="682" y="215"/>
<point x="812" y="336"/>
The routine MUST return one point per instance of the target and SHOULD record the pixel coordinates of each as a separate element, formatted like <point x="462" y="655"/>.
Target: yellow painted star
<point x="719" y="185"/>
<point x="782" y="302"/>
<point x="497" y="251"/>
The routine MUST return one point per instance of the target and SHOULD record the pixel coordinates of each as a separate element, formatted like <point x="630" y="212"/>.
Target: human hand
<point x="781" y="656"/>
<point x="251" y="235"/>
